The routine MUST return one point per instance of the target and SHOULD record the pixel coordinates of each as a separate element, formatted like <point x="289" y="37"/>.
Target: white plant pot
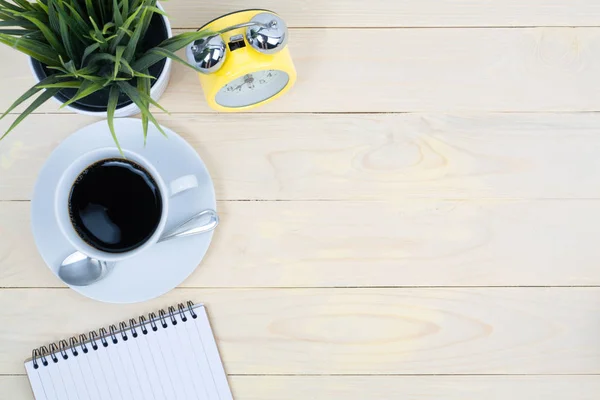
<point x="158" y="88"/>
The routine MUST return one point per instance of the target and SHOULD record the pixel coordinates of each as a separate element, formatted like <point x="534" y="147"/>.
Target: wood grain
<point x="407" y="70"/>
<point x="463" y="155"/>
<point x="335" y="244"/>
<point x="385" y="387"/>
<point x="347" y="331"/>
<point x="357" y="157"/>
<point x="385" y="13"/>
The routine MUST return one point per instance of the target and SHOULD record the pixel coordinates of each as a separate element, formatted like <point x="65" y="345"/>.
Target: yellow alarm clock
<point x="246" y="63"/>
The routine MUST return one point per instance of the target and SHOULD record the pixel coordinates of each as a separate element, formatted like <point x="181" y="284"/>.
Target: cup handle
<point x="182" y="184"/>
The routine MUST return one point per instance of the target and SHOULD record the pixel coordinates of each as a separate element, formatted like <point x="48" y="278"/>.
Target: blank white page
<point x="171" y="355"/>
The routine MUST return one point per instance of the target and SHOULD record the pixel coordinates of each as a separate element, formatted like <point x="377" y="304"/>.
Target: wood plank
<point x="357" y="157"/>
<point x="409" y="243"/>
<point x="15" y="388"/>
<point x="347" y="331"/>
<point x="385" y="13"/>
<point x="384" y="387"/>
<point x="407" y="70"/>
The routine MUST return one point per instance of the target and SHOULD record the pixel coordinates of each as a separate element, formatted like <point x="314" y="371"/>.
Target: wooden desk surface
<point x="418" y="219"/>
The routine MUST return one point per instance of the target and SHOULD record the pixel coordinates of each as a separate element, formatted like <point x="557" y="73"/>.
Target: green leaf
<point x="91" y="78"/>
<point x="24" y="4"/>
<point x="136" y="3"/>
<point x="61" y="85"/>
<point x="66" y="38"/>
<point x="118" y="62"/>
<point x="90" y="69"/>
<point x="61" y="69"/>
<point x="122" y="31"/>
<point x="127" y="67"/>
<point x="178" y="42"/>
<point x="32" y="91"/>
<point x="37" y="36"/>
<point x="76" y="6"/>
<point x="76" y="16"/>
<point x="38" y="50"/>
<point x="85" y="89"/>
<point x="140" y="101"/>
<point x="69" y="66"/>
<point x="14" y="32"/>
<point x="118" y="55"/>
<point x="157" y="11"/>
<point x="34" y="13"/>
<point x="167" y="53"/>
<point x="147" y="16"/>
<point x="80" y="73"/>
<point x="126" y="31"/>
<point x="41" y="99"/>
<point x="101" y="57"/>
<point x="141" y="75"/>
<point x="125" y="8"/>
<point x="53" y="18"/>
<point x="134" y="39"/>
<point x="150" y="100"/>
<point x="117" y="16"/>
<point x="89" y="73"/>
<point x="77" y="25"/>
<point x="48" y="34"/>
<point x="103" y="10"/>
<point x="10" y="6"/>
<point x="113" y="99"/>
<point x="42" y="6"/>
<point x="89" y="6"/>
<point x="89" y="50"/>
<point x="103" y="41"/>
<point x="106" y="27"/>
<point x="18" y="24"/>
<point x="96" y="28"/>
<point x="144" y="86"/>
<point x="173" y="44"/>
<point x="6" y="14"/>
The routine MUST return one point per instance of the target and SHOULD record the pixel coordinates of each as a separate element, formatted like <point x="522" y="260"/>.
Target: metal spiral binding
<point x="79" y="345"/>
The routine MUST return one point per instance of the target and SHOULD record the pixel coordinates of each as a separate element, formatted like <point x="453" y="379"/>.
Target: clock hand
<point x="248" y="80"/>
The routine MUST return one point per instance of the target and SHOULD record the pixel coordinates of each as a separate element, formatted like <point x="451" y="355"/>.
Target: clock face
<point x="252" y="88"/>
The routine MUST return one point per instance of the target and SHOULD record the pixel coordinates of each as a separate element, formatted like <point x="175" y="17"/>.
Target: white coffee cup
<point x="65" y="184"/>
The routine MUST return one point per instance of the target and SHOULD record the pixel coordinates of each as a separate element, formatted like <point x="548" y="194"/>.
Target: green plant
<point x="91" y="45"/>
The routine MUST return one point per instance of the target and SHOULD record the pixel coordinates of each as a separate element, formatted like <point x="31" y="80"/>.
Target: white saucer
<point x="159" y="268"/>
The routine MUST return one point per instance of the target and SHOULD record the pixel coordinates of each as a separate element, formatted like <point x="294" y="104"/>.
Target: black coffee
<point x="115" y="205"/>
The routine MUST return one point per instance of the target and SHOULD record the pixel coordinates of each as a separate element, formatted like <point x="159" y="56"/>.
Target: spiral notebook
<point x="169" y="355"/>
